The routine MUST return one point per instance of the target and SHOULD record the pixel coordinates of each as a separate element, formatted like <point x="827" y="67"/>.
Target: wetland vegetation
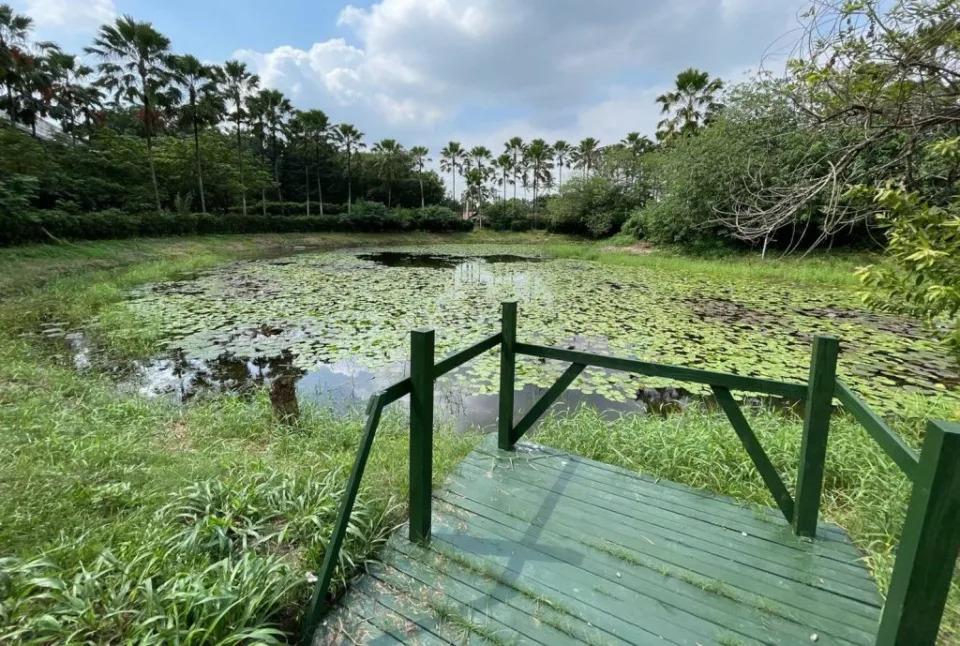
<point x="172" y="510"/>
<point x="177" y="415"/>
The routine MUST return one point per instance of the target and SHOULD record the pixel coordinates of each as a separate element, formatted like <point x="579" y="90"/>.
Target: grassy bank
<point x="134" y="520"/>
<point x="864" y="491"/>
<point x="128" y="519"/>
<point x="819" y="268"/>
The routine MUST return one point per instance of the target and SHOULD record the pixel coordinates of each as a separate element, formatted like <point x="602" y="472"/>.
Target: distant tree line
<point x="146" y="129"/>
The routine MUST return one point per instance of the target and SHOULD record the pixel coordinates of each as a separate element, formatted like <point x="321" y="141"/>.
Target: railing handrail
<point x="931" y="537"/>
<point x="375" y="405"/>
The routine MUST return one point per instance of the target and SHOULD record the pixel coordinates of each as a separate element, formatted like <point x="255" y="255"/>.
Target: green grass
<point x="864" y="492"/>
<point x="133" y="520"/>
<point x="834" y="269"/>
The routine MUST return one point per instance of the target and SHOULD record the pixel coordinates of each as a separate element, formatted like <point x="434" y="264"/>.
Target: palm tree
<point x="586" y="155"/>
<point x="539" y="160"/>
<point x="480" y="154"/>
<point x="451" y="160"/>
<point x="72" y="96"/>
<point x="419" y="155"/>
<point x="35" y="76"/>
<point x="505" y="163"/>
<point x="315" y="128"/>
<point x="391" y="159"/>
<point x="637" y="144"/>
<point x="562" y="151"/>
<point x="14" y="30"/>
<point x="240" y="83"/>
<point x="276" y="110"/>
<point x="134" y="67"/>
<point x="349" y="139"/>
<point x="516" y="149"/>
<point x="204" y="104"/>
<point x="256" y="110"/>
<point x="477" y="189"/>
<point x="690" y="105"/>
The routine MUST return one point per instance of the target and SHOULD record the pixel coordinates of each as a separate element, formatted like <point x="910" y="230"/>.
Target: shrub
<point x="513" y="215"/>
<point x="40" y="226"/>
<point x="595" y="207"/>
<point x="440" y="218"/>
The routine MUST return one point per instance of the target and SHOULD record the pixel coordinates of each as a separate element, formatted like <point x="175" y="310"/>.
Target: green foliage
<point x="289" y="208"/>
<point x="512" y="215"/>
<point x="42" y="226"/>
<point x="703" y="182"/>
<point x="922" y="274"/>
<point x="16" y="194"/>
<point x="595" y="207"/>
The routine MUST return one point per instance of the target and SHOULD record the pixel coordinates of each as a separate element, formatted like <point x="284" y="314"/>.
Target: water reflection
<point x="345" y="386"/>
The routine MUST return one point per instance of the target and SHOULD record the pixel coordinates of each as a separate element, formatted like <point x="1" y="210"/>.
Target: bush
<point x="596" y="207"/>
<point x="41" y="226"/>
<point x="513" y="215"/>
<point x="440" y="218"/>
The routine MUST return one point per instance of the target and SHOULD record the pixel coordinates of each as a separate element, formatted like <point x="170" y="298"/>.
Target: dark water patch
<point x="438" y="261"/>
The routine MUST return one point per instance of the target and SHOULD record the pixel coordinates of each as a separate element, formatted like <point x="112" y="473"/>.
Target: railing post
<point x="508" y="366"/>
<point x="421" y="432"/>
<point x="816" y="427"/>
<point x="928" y="546"/>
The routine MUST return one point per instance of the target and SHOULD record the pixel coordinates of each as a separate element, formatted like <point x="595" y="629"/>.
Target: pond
<point x="333" y="328"/>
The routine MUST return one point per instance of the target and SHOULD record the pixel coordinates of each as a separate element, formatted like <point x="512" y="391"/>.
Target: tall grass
<point x="126" y="520"/>
<point x="834" y="269"/>
<point x="864" y="491"/>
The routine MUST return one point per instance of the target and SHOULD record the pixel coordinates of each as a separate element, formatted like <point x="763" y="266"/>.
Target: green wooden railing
<point x="930" y="539"/>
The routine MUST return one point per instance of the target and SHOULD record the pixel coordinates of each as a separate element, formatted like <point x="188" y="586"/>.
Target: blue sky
<point x="478" y="71"/>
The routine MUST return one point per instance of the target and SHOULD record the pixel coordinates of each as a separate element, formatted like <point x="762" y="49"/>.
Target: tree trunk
<point x="196" y="152"/>
<point x="349" y="185"/>
<point x="153" y="172"/>
<point x="243" y="187"/>
<point x="453" y="176"/>
<point x="11" y="105"/>
<point x="389" y="193"/>
<point x="276" y="169"/>
<point x="306" y="174"/>
<point x="263" y="187"/>
<point x="423" y="202"/>
<point x="319" y="185"/>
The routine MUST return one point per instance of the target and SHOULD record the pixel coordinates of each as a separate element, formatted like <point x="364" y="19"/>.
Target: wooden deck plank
<point x="519" y="624"/>
<point x="437" y="594"/>
<point x="837" y="615"/>
<point x="706" y="610"/>
<point x="789" y="549"/>
<point x="826" y="530"/>
<point x="616" y="629"/>
<point x="669" y="547"/>
<point x="718" y="511"/>
<point x="564" y="625"/>
<point x="540" y="547"/>
<point x="732" y="544"/>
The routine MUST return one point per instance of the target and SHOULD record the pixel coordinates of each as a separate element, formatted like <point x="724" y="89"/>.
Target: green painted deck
<point x="542" y="547"/>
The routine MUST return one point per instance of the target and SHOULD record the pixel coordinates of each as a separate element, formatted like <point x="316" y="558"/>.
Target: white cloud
<point x="70" y="15"/>
<point x="426" y="71"/>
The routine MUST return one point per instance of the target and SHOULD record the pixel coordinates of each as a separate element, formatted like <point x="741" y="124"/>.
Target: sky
<point x="425" y="72"/>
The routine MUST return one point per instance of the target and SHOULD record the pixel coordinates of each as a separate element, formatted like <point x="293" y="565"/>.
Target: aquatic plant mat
<point x="336" y="324"/>
<point x="541" y="546"/>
